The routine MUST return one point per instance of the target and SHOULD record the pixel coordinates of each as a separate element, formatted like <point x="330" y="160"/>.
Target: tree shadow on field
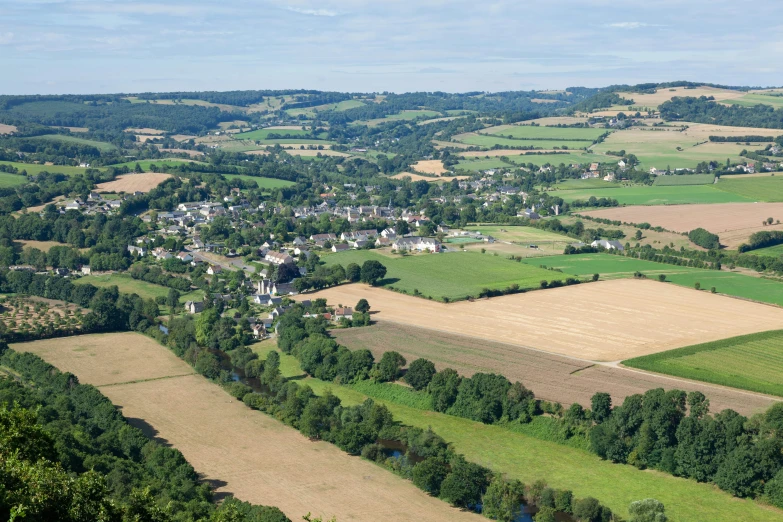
<point x="214" y="484"/>
<point x="388" y="281"/>
<point x="149" y="431"/>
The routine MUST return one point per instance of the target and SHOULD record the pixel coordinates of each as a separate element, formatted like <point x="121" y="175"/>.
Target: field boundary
<point x="139" y="381"/>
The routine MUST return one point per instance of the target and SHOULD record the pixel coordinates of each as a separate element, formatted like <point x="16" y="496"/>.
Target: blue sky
<point x="88" y="46"/>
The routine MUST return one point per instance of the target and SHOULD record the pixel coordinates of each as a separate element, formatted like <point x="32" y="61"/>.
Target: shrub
<point x="704" y="238"/>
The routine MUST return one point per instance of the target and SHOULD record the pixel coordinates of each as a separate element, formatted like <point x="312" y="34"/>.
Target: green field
<point x="264" y="183"/>
<point x="768" y="189"/>
<point x="11" y="180"/>
<point x="736" y="284"/>
<point x="518" y="234"/>
<point x="529" y="132"/>
<point x="262" y="134"/>
<point x="484" y="140"/>
<point x="527" y="458"/>
<point x="339" y="107"/>
<point x="128" y="285"/>
<point x="776" y="250"/>
<point x="656" y="195"/>
<point x="100" y="145"/>
<point x="611" y="266"/>
<point x="688" y="179"/>
<point x="579" y="158"/>
<point x="483" y="164"/>
<point x="752" y="362"/>
<point x="146" y="164"/>
<point x="454" y="275"/>
<point x="582" y="184"/>
<point x="33" y="169"/>
<point x="751" y="99"/>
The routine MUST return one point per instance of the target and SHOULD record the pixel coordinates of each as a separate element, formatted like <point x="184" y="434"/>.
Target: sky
<point x="106" y="46"/>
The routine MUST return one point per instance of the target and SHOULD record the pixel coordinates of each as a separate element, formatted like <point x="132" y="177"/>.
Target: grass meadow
<point x="262" y="134"/>
<point x="126" y="284"/>
<point x="752" y="99"/>
<point x="656" y="194"/>
<point x="33" y="169"/>
<point x="768" y="189"/>
<point x="520" y="453"/>
<point x="486" y="140"/>
<point x="530" y="132"/>
<point x="776" y="250"/>
<point x="519" y="234"/>
<point x="264" y="183"/>
<point x="611" y="266"/>
<point x="100" y="145"/>
<point x="750" y="362"/>
<point x="515" y="160"/>
<point x="11" y="180"/>
<point x="678" y="181"/>
<point x="454" y="275"/>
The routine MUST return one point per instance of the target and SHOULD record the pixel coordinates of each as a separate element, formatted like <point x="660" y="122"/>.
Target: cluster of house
<point x="95" y="203"/>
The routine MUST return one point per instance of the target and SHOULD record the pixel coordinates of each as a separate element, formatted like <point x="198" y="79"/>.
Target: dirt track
<point x="604" y="321"/>
<point x="552" y="377"/>
<point x="246" y="453"/>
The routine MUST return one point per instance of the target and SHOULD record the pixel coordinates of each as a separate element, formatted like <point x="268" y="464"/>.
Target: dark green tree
<point x="420" y="373"/>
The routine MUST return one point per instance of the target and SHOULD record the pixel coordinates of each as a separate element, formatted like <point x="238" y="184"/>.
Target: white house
<point x="214" y="269"/>
<point x="278" y="258"/>
<point x="608" y="245"/>
<point x="417" y="243"/>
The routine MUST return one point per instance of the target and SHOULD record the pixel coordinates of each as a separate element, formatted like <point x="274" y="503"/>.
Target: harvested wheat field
<point x="663" y="94"/>
<point x="262" y="461"/>
<point x="134" y="182"/>
<point x="552" y="377"/>
<point x="108" y="359"/>
<point x="430" y="167"/>
<point x="7" y="129"/>
<point x="604" y="321"/>
<point x="733" y="222"/>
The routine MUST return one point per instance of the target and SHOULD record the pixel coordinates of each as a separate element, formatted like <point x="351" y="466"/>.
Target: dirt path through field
<point x="604" y="321"/>
<point x="243" y="452"/>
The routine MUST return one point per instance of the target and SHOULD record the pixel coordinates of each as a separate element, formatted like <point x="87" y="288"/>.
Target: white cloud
<point x="312" y="12"/>
<point x="6" y="38"/>
<point x="628" y="25"/>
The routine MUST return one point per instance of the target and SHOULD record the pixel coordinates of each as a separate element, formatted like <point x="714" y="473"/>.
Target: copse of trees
<point x="704" y="238"/>
<point x="706" y="110"/>
<point x="761" y="239"/>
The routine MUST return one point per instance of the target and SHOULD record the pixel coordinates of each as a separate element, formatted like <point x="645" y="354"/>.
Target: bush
<point x="704" y="238"/>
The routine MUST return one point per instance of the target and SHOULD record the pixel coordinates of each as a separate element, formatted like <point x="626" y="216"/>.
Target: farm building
<point x="608" y="245"/>
<point x="278" y="258"/>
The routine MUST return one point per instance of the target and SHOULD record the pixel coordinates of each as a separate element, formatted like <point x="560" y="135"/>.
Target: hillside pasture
<point x="768" y="189"/>
<point x="553" y="378"/>
<point x="419" y="177"/>
<point x="7" y="129"/>
<point x="753" y="99"/>
<point x="126" y="284"/>
<point x="518" y="234"/>
<point x="604" y="321"/>
<point x="454" y="275"/>
<point x="263" y="462"/>
<point x="262" y="134"/>
<point x="536" y="132"/>
<point x="11" y="180"/>
<point x="264" y="183"/>
<point x="130" y="183"/>
<point x="750" y="362"/>
<point x="100" y="145"/>
<point x="733" y="222"/>
<point x="34" y="169"/>
<point x="690" y="179"/>
<point x="487" y="140"/>
<point x="653" y="195"/>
